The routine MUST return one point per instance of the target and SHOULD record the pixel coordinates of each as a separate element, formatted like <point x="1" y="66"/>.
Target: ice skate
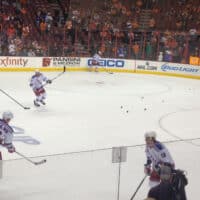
<point x="36" y="103"/>
<point x="42" y="102"/>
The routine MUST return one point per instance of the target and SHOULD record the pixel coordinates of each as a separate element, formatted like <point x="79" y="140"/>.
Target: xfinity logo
<point x="108" y="63"/>
<point x="12" y="61"/>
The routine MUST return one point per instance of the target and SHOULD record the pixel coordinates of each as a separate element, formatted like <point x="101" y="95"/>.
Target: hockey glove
<point x="157" y="168"/>
<point x="147" y="169"/>
<point x="49" y="81"/>
<point x="1" y="138"/>
<point x="11" y="149"/>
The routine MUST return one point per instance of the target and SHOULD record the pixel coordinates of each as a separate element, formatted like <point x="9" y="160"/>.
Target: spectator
<point x="12" y="48"/>
<point x="48" y="20"/>
<point x="168" y="56"/>
<point x="43" y="27"/>
<point x="122" y="26"/>
<point x="121" y="52"/>
<point x="148" y="51"/>
<point x="163" y="191"/>
<point x="31" y="53"/>
<point x="160" y="57"/>
<point x="11" y="31"/>
<point x="23" y="52"/>
<point x="25" y="30"/>
<point x="136" y="49"/>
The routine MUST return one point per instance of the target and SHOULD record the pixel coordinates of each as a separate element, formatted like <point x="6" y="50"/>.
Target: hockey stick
<point x="64" y="69"/>
<point x="142" y="181"/>
<point x="107" y="70"/>
<point x="31" y="161"/>
<point x="24" y="107"/>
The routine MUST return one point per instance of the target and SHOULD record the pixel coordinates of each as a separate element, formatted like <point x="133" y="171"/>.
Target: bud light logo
<point x="167" y="67"/>
<point x="108" y="63"/>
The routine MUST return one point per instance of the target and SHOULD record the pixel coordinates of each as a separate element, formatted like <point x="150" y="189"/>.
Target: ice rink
<point x="86" y="115"/>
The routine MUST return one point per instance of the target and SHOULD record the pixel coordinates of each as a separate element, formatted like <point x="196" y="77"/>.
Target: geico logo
<point x="108" y="63"/>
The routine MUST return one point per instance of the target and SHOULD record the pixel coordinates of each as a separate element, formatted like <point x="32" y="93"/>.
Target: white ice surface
<point x="84" y="114"/>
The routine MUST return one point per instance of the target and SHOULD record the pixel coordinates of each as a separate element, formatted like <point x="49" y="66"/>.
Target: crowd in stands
<point x="137" y="29"/>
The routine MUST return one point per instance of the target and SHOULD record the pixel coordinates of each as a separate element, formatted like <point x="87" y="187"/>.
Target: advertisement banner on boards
<point x="176" y="68"/>
<point x="113" y="63"/>
<point x="19" y="62"/>
<point x="173" y="68"/>
<point x="146" y="65"/>
<point x="61" y="61"/>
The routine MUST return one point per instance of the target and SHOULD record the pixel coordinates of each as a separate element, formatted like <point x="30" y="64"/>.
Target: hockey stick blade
<point x="26" y="108"/>
<point x="30" y="160"/>
<point x="40" y="162"/>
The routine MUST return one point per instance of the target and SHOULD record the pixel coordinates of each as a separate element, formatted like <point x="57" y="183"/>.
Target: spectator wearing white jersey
<point x="12" y="48"/>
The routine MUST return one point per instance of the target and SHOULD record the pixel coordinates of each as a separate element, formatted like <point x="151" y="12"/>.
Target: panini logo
<point x="66" y="61"/>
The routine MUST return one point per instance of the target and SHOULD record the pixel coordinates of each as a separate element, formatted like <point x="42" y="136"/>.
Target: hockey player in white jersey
<point x="6" y="136"/>
<point x="6" y="132"/>
<point x="37" y="84"/>
<point x="96" y="61"/>
<point x="157" y="154"/>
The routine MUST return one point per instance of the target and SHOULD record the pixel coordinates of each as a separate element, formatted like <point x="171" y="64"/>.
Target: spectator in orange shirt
<point x="43" y="27"/>
<point x="23" y="11"/>
<point x="11" y="31"/>
<point x="136" y="49"/>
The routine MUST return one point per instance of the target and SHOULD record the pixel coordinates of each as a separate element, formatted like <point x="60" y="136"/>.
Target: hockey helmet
<point x="150" y="134"/>
<point x="7" y="115"/>
<point x="37" y="71"/>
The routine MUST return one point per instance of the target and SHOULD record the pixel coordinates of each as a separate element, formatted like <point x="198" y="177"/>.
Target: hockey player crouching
<point x="37" y="84"/>
<point x="157" y="155"/>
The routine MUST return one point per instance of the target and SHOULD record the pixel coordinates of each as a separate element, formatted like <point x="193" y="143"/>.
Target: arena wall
<point x="14" y="64"/>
